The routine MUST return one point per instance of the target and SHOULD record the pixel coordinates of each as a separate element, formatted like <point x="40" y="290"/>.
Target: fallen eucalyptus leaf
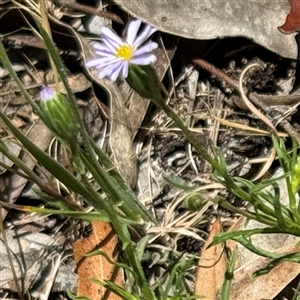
<point x="207" y="19"/>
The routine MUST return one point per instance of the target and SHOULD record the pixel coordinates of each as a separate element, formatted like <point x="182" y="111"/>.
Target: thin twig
<point x="215" y="71"/>
<point x="89" y="9"/>
<point x="249" y="104"/>
<point x="266" y="99"/>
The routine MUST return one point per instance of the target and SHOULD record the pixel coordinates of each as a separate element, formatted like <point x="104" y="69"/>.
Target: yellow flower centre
<point x="125" y="52"/>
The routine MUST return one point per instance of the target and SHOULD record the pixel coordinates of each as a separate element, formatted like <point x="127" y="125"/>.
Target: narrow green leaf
<point x="112" y="184"/>
<point x="120" y="291"/>
<point x="222" y="237"/>
<point x="246" y="242"/>
<point x="73" y="297"/>
<point x="292" y="257"/>
<point x="88" y="216"/>
<point x="178" y="182"/>
<point x="278" y="207"/>
<point x="104" y="254"/>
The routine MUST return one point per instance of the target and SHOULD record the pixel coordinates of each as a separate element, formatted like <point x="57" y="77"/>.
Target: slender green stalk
<point x="228" y="278"/>
<point x="225" y="204"/>
<point x="72" y="101"/>
<point x="107" y="186"/>
<point x="230" y="184"/>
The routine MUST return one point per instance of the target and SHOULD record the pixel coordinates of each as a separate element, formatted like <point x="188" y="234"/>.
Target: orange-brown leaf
<point x="211" y="266"/>
<point x="97" y="266"/>
<point x="292" y="23"/>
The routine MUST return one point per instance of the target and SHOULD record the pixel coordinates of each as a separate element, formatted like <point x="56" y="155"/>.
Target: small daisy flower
<point x="115" y="54"/>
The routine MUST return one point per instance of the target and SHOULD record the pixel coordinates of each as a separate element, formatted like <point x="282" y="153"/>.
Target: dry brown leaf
<point x="267" y="286"/>
<point x="211" y="266"/>
<point x="102" y="238"/>
<point x="292" y="23"/>
<point x="256" y="20"/>
<point x="18" y="122"/>
<point x="78" y="83"/>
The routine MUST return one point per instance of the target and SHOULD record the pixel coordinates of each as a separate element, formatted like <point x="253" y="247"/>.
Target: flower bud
<point x="194" y="201"/>
<point x="144" y="81"/>
<point x="58" y="115"/>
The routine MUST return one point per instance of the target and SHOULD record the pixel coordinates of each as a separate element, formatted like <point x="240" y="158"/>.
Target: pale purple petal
<point x="104" y="72"/>
<point x="112" y="35"/>
<point x="146" y="48"/>
<point x="125" y="69"/>
<point x="112" y="61"/>
<point x="105" y="53"/>
<point x="107" y="71"/>
<point x="145" y="34"/>
<point x="115" y="74"/>
<point x="112" y="42"/>
<point x="105" y="59"/>
<point x="144" y="60"/>
<point x="108" y="64"/>
<point x="92" y="63"/>
<point x="132" y="31"/>
<point x="99" y="46"/>
<point x="102" y="62"/>
<point x="47" y="93"/>
<point x="109" y="46"/>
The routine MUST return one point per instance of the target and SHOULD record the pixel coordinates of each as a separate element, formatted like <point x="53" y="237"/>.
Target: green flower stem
<point x="225" y="204"/>
<point x="123" y="234"/>
<point x="88" y="145"/>
<point x="230" y="184"/>
<point x="107" y="185"/>
<point x="72" y="101"/>
<point x="228" y="277"/>
<point x="129" y="198"/>
<point x="292" y="200"/>
<point x="290" y="166"/>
